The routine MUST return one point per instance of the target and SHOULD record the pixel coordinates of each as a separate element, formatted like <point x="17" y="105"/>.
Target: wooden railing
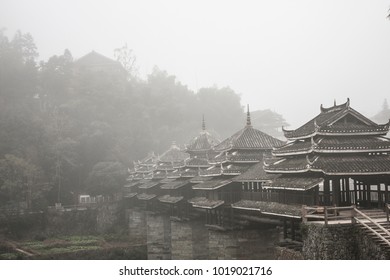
<point x="329" y="213"/>
<point x="325" y="213"/>
<point x="370" y="228"/>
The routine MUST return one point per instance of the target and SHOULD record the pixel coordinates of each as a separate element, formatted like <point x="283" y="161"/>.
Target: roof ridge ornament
<point x="248" y="117"/>
<point x="203" y="123"/>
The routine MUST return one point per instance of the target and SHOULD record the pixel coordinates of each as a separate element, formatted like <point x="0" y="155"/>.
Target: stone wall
<point x="158" y="231"/>
<point x="200" y="240"/>
<point x="137" y="226"/>
<point x="340" y="242"/>
<point x="332" y="242"/>
<point x="283" y="253"/>
<point x="367" y="249"/>
<point x="181" y="241"/>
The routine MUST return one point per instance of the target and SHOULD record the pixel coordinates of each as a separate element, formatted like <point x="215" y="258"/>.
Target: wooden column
<point x="316" y="195"/>
<point x="284" y="228"/>
<point x="368" y="187"/>
<point x="380" y="200"/>
<point x="326" y="192"/>
<point x="336" y="191"/>
<point x="348" y="191"/>
<point x="360" y="192"/>
<point x="292" y="230"/>
<point x="386" y="193"/>
<point x="364" y="194"/>
<point x="355" y="190"/>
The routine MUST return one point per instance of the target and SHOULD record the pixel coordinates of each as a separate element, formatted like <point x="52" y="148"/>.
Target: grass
<point x="64" y="244"/>
<point x="59" y="245"/>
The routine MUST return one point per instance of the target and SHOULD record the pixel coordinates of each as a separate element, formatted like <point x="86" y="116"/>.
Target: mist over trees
<point x="74" y="126"/>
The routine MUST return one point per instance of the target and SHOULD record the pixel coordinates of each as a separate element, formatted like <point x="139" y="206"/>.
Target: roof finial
<point x="248" y="116"/>
<point x="203" y="123"/>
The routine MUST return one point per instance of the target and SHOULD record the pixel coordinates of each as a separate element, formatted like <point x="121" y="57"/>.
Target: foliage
<point x="269" y="122"/>
<point x="106" y="178"/>
<point x="384" y="115"/>
<point x="74" y="126"/>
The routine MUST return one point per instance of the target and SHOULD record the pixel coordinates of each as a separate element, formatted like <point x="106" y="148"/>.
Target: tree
<point x="106" y="178"/>
<point x="19" y="180"/>
<point x="222" y="108"/>
<point x="383" y="116"/>
<point x="269" y="122"/>
<point x="55" y="80"/>
<point x="127" y="59"/>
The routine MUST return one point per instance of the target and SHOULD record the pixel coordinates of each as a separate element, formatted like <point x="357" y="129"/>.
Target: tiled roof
<point x="243" y="156"/>
<point x="204" y="142"/>
<point x="237" y="156"/>
<point x="353" y="164"/>
<point x="288" y="165"/>
<point x="211" y="184"/>
<point x="254" y="173"/>
<point x="170" y="199"/>
<point x="353" y="129"/>
<point x="235" y="169"/>
<point x="248" y="138"/>
<point x="195" y="162"/>
<point x="94" y="58"/>
<point x="170" y="165"/>
<point x="353" y="144"/>
<point x="189" y="172"/>
<point x="196" y="199"/>
<point x="145" y="196"/>
<point x="150" y="159"/>
<point x="129" y="195"/>
<point x="159" y="175"/>
<point x="270" y="208"/>
<point x="173" y="174"/>
<point x="345" y="164"/>
<point x="212" y="171"/>
<point x="207" y="203"/>
<point x="167" y="180"/>
<point x="328" y="123"/>
<point x="165" y="166"/>
<point x="174" y="185"/>
<point x="132" y="184"/>
<point x="334" y="144"/>
<point x="148" y="185"/>
<point x="174" y="154"/>
<point x="297" y="147"/>
<point x="199" y="179"/>
<point x="138" y="176"/>
<point x="144" y="169"/>
<point x="294" y="183"/>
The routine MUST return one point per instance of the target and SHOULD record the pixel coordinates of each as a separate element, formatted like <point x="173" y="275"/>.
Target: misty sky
<point x="289" y="56"/>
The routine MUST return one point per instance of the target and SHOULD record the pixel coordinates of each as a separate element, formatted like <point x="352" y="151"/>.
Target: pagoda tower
<point x="339" y="157"/>
<point x="216" y="189"/>
<point x="200" y="150"/>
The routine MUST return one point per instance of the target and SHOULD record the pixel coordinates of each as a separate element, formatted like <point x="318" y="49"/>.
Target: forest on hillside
<point x="69" y="127"/>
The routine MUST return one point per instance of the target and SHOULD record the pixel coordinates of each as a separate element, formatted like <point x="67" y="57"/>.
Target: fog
<point x="289" y="56"/>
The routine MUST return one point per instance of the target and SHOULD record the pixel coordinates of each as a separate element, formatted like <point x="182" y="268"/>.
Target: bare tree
<point x="126" y="57"/>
